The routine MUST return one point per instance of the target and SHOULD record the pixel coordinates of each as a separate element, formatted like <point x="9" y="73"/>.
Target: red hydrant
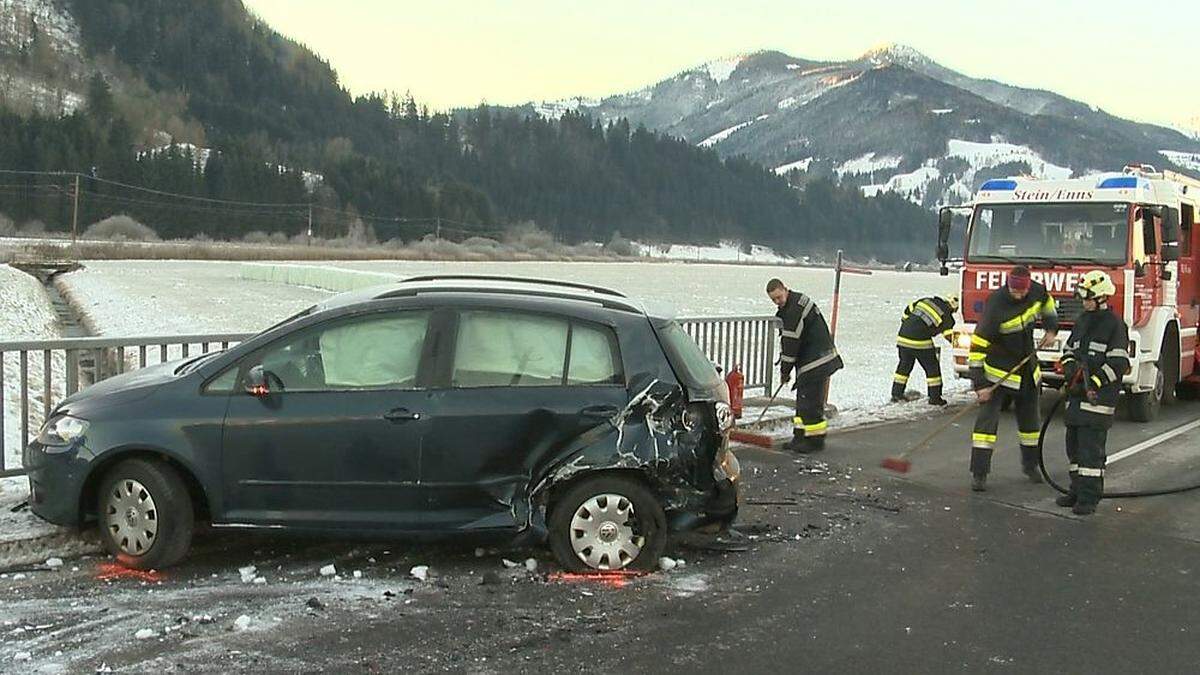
<point x="736" y="383"/>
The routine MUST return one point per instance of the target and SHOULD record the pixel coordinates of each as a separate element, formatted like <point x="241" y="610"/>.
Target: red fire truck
<point x="1138" y="225"/>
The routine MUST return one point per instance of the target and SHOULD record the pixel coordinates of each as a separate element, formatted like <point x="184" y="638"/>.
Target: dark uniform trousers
<point x="929" y="363"/>
<point x="983" y="438"/>
<point x="1087" y="457"/>
<point x="810" y="419"/>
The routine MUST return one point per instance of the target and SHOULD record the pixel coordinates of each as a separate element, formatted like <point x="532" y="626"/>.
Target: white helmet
<point x="1095" y="285"/>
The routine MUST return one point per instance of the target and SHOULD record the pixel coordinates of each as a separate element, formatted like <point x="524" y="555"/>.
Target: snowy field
<point x="159" y="297"/>
<point x="25" y="314"/>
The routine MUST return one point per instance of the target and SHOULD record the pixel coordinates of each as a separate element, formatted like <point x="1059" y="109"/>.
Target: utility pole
<point x="308" y="240"/>
<point x="438" y="232"/>
<point x="75" y="213"/>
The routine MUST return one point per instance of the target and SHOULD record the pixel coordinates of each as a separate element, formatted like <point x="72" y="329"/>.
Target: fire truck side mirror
<point x="1170" y="235"/>
<point x="945" y="219"/>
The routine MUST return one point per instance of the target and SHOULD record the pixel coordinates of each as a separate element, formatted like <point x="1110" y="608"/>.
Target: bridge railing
<point x="35" y="375"/>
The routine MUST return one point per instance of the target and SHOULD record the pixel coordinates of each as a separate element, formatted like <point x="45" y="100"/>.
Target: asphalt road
<point x="849" y="568"/>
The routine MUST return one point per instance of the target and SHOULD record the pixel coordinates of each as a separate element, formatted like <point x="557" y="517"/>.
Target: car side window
<point x="223" y="383"/>
<point x="594" y="358"/>
<point x="378" y="351"/>
<point x="509" y="349"/>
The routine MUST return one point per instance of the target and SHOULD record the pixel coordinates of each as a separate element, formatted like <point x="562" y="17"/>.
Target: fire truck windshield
<point x="1096" y="233"/>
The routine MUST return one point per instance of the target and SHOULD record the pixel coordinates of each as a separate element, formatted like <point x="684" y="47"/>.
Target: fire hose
<point x="1054" y="409"/>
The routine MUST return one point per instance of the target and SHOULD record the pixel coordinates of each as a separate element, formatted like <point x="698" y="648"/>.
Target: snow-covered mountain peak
<point x="892" y="53"/>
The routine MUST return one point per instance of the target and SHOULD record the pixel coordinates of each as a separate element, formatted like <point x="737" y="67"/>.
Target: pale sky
<point x="1133" y="59"/>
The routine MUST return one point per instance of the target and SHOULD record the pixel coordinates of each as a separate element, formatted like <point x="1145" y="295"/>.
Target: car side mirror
<point x="255" y="382"/>
<point x="945" y="220"/>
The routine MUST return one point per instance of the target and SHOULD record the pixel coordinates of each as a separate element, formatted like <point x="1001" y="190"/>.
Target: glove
<point x="1077" y="385"/>
<point x="1069" y="369"/>
<point x="1093" y="396"/>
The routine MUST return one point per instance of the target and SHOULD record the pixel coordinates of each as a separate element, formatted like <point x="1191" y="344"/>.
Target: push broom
<point x="901" y="463"/>
<point x="761" y="440"/>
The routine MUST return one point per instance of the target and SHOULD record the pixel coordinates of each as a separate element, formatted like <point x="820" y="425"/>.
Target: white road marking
<point x="1151" y="442"/>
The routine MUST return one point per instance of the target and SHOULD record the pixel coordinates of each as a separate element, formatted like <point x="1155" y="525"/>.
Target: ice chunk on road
<point x="531" y="564"/>
<point x="145" y="634"/>
<point x="420" y="572"/>
<point x="243" y="622"/>
<point x="508" y="563"/>
<point x="357" y="574"/>
<point x="328" y="571"/>
<point x="54" y="563"/>
<point x="666" y="564"/>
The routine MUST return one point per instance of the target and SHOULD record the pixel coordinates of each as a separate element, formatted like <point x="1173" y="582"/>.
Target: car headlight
<point x="62" y="430"/>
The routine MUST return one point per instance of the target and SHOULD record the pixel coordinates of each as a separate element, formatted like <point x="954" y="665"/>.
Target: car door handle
<point x="600" y="412"/>
<point x="400" y="415"/>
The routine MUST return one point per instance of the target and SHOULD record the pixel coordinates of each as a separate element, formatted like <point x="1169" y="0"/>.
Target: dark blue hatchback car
<point x="453" y="405"/>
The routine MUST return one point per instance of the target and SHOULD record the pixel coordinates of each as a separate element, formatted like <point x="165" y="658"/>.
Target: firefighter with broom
<point x="1003" y="365"/>
<point x="807" y="352"/>
<point x="923" y="320"/>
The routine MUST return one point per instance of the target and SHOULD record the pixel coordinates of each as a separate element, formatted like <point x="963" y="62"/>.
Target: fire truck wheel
<point x="1169" y="361"/>
<point x="1144" y="406"/>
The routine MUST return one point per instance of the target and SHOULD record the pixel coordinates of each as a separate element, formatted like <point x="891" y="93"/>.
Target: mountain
<point x="892" y="120"/>
<point x="204" y="99"/>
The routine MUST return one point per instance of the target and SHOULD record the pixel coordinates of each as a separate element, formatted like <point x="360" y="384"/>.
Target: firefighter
<point x="923" y="319"/>
<point x="1002" y="339"/>
<point x="1094" y="361"/>
<point x="807" y="351"/>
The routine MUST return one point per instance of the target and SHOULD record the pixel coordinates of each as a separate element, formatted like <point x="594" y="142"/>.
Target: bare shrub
<point x="528" y="237"/>
<point x="618" y="245"/>
<point x="32" y="228"/>
<point x="256" y="237"/>
<point x="7" y="227"/>
<point x="120" y="228"/>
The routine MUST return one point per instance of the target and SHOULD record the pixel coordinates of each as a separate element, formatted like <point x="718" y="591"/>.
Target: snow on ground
<point x="130" y="298"/>
<point x="723" y="134"/>
<point x="792" y="166"/>
<point x="985" y="155"/>
<point x="867" y="164"/>
<point x="725" y="252"/>
<point x="212" y="297"/>
<point x="25" y="314"/>
<point x="1187" y="160"/>
<point x="721" y="69"/>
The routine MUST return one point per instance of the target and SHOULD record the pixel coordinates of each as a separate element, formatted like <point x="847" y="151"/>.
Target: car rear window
<point x="689" y="361"/>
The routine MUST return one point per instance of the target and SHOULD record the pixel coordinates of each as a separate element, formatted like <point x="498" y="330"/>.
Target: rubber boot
<point x="1068" y="500"/>
<point x="938" y="401"/>
<point x="979" y="482"/>
<point x="797" y="442"/>
<point x="811" y="445"/>
<point x="1029" y="464"/>
<point x="1081" y="509"/>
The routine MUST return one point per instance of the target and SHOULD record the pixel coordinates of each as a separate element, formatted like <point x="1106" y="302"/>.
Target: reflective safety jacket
<point x="806" y="345"/>
<point x="1004" y="336"/>
<point x="924" y="319"/>
<point x="1098" y="349"/>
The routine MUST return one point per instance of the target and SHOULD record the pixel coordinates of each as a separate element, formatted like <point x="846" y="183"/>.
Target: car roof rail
<point x="516" y="280"/>
<point x="609" y="303"/>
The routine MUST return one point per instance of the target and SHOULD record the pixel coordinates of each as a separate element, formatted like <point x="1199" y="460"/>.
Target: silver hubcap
<point x="602" y="532"/>
<point x="131" y="517"/>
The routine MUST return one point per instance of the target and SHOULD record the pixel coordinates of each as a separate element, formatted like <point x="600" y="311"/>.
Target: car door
<point x="337" y="440"/>
<point x="519" y="386"/>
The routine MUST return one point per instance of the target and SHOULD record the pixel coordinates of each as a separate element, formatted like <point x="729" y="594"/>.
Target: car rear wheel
<point x="145" y="514"/>
<point x="607" y="523"/>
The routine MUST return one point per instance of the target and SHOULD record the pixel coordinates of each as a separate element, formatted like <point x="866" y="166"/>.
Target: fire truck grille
<point x="1068" y="309"/>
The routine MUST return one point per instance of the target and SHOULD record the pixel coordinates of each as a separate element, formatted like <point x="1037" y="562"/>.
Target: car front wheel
<point x="145" y="514"/>
<point x="608" y="523"/>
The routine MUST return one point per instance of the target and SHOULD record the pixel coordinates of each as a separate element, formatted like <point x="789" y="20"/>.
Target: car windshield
<point x="690" y="363"/>
<point x="1014" y="233"/>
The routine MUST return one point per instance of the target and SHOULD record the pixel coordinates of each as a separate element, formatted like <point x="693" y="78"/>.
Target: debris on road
<point x="54" y="563"/>
<point x="531" y="564"/>
<point x="420" y="572"/>
<point x="243" y="622"/>
<point x="328" y="571"/>
<point x="314" y="603"/>
<point x="666" y="564"/>
<point x="145" y="634"/>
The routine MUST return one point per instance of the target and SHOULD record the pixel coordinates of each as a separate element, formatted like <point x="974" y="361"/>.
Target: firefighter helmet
<point x="952" y="300"/>
<point x="1095" y="285"/>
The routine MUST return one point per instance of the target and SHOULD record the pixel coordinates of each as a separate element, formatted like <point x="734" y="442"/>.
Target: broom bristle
<point x="761" y="440"/>
<point x="897" y="464"/>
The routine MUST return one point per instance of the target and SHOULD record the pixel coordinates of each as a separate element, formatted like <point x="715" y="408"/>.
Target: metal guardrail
<point x="45" y="372"/>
